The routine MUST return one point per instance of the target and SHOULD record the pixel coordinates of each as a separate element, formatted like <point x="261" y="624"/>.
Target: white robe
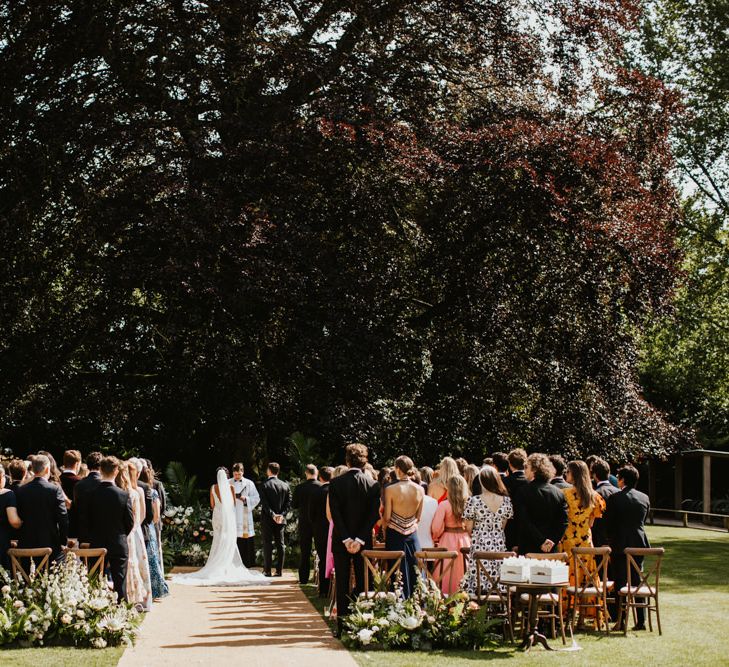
<point x="248" y="489"/>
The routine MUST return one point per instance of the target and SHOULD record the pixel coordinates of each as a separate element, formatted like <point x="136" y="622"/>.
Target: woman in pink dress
<point x="449" y="531"/>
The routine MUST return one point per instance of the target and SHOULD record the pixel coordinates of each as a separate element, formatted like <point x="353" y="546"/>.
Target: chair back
<point x="585" y="575"/>
<point x="93" y="560"/>
<point x="558" y="556"/>
<point x="436" y="564"/>
<point x="649" y="571"/>
<point x="375" y="562"/>
<point x="16" y="566"/>
<point x="486" y="584"/>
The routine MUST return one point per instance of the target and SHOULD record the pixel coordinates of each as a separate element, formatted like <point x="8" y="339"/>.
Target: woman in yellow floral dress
<point x="583" y="506"/>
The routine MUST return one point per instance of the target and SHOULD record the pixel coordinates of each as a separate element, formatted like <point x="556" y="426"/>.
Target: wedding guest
<point x="338" y="471"/>
<point x="426" y="477"/>
<point x="16" y="473"/>
<point x="69" y="479"/>
<point x="471" y="476"/>
<point x="275" y="502"/>
<point x="438" y="488"/>
<point x="320" y="526"/>
<point x="461" y="464"/>
<point x="425" y="537"/>
<point x="540" y="507"/>
<point x="559" y="465"/>
<point x="54" y="476"/>
<point x="42" y="508"/>
<point x="485" y="517"/>
<point x="600" y="476"/>
<point x="449" y="530"/>
<point x="403" y="504"/>
<point x="83" y="472"/>
<point x="139" y="578"/>
<point x="9" y="519"/>
<point x="302" y="499"/>
<point x="147" y="488"/>
<point x="501" y="462"/>
<point x="370" y="470"/>
<point x="82" y="492"/>
<point x="110" y="520"/>
<point x="154" y="552"/>
<point x="354" y="505"/>
<point x="625" y="523"/>
<point x="514" y="482"/>
<point x="246" y="500"/>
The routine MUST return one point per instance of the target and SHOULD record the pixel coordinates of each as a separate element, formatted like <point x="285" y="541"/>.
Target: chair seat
<point x="642" y="591"/>
<point x="544" y="597"/>
<point x="590" y="590"/>
<point x="487" y="599"/>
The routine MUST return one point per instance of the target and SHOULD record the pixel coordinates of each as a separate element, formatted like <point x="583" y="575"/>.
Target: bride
<point x="224" y="566"/>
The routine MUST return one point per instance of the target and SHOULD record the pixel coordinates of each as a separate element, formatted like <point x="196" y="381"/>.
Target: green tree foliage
<point x="430" y="226"/>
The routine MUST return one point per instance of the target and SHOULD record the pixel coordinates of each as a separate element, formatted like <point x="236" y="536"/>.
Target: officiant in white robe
<point x="246" y="499"/>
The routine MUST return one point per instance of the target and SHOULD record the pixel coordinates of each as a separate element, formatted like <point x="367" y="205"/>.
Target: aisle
<point x="253" y="626"/>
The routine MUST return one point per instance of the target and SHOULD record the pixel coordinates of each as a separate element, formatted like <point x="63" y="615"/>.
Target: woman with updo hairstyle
<point x="449" y="532"/>
<point x="403" y="505"/>
<point x="438" y="488"/>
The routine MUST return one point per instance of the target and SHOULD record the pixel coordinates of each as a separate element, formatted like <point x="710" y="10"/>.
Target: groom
<point x="246" y="499"/>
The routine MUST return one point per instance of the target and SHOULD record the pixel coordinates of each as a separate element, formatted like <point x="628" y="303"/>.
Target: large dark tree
<point x="434" y="226"/>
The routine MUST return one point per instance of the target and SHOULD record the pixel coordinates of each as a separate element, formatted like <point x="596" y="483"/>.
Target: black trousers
<point x="342" y="563"/>
<point x="247" y="550"/>
<point x="306" y="535"/>
<point x="620" y="569"/>
<point x="321" y="538"/>
<point x="273" y="535"/>
<point x="116" y="568"/>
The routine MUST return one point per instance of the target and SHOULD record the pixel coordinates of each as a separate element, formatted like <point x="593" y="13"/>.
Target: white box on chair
<point x="549" y="572"/>
<point x="515" y="570"/>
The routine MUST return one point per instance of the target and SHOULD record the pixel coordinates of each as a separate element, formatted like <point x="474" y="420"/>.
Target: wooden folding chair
<point x="591" y="584"/>
<point x="376" y="563"/>
<point x="16" y="566"/>
<point x="550" y="604"/>
<point x="648" y="574"/>
<point x="97" y="557"/>
<point x="435" y="564"/>
<point x="490" y="591"/>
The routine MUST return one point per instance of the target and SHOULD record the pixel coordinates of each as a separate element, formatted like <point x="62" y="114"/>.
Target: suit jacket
<point x="625" y="519"/>
<point x="303" y="497"/>
<point x="354" y="502"/>
<point x="542" y="516"/>
<point x="275" y="499"/>
<point x="599" y="527"/>
<point x="111" y="519"/>
<point x="42" y="507"/>
<point x="147" y="507"/>
<point x="513" y="483"/>
<point x="560" y="483"/>
<point x="68" y="483"/>
<point x="81" y="493"/>
<point x="318" y="509"/>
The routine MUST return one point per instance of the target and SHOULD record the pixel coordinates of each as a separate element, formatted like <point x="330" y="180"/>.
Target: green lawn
<point x="60" y="657"/>
<point x="694" y="615"/>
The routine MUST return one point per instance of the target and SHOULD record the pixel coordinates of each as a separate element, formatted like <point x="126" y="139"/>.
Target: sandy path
<point x="253" y="626"/>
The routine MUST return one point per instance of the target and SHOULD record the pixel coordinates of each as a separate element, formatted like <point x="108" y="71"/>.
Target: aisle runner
<point x="255" y="626"/>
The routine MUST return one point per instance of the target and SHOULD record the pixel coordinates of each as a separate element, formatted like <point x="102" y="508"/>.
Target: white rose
<point x="18" y="604"/>
<point x="365" y="636"/>
<point x="80" y="613"/>
<point x="178" y="521"/>
<point x="409" y="622"/>
<point x="5" y="589"/>
<point x="99" y="642"/>
<point x="66" y="619"/>
<point x="368" y="617"/>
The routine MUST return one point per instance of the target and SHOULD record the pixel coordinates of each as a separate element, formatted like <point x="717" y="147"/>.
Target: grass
<point x="60" y="657"/>
<point x="694" y="615"/>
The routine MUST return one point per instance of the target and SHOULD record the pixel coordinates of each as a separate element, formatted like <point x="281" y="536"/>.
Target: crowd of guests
<point x="513" y="502"/>
<point x="103" y="503"/>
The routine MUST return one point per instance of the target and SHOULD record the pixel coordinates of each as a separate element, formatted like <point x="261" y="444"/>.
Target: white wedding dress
<point x="224" y="566"/>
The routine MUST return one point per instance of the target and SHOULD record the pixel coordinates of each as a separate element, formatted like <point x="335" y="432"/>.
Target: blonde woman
<point x="438" y="488"/>
<point x="449" y="531"/>
<point x="137" y="548"/>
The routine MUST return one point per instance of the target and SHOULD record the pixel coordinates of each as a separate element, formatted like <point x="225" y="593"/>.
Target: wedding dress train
<point x="224" y="566"/>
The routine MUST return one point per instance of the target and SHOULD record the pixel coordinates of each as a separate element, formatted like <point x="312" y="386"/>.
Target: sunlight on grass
<point x="60" y="657"/>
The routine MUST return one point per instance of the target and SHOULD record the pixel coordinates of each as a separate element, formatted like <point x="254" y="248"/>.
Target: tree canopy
<point x="431" y="226"/>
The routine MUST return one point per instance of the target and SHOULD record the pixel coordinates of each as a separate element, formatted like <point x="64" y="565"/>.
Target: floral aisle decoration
<point x="187" y="535"/>
<point x="63" y="606"/>
<point x="425" y="621"/>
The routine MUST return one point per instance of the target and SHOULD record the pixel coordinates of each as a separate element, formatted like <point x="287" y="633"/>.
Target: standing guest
<point x="139" y="578"/>
<point x="162" y="494"/>
<point x="69" y="479"/>
<point x="370" y="470"/>
<point x="354" y="505"/>
<point x="42" y="508"/>
<point x="246" y="500"/>
<point x="625" y="523"/>
<point x="425" y="536"/>
<point x="559" y="466"/>
<point x="147" y="488"/>
<point x="476" y="483"/>
<point x="514" y="483"/>
<point x="154" y="551"/>
<point x="426" y="477"/>
<point x="501" y="463"/>
<point x="403" y="504"/>
<point x="9" y="520"/>
<point x="303" y="496"/>
<point x="542" y="509"/>
<point x="16" y="474"/>
<point x="449" y="530"/>
<point x="55" y="475"/>
<point x="338" y="471"/>
<point x="583" y="507"/>
<point x="471" y="477"/>
<point x="81" y="494"/>
<point x="320" y="526"/>
<point x="462" y="464"/>
<point x="600" y="476"/>
<point x="83" y="472"/>
<point x="486" y="515"/>
<point x="111" y="519"/>
<point x="438" y="488"/>
<point x="275" y="502"/>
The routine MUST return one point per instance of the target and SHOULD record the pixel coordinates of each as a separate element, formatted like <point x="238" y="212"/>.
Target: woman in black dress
<point x="9" y="519"/>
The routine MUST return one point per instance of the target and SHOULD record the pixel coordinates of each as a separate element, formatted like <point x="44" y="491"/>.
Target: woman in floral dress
<point x="486" y="515"/>
<point x="159" y="585"/>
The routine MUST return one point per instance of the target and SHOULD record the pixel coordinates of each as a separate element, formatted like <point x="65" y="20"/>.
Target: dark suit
<point x="354" y="503"/>
<point x="68" y="483"/>
<point x="303" y="496"/>
<point x="111" y="519"/>
<point x="542" y="516"/>
<point x="320" y="526"/>
<point x="42" y="507"/>
<point x="81" y="494"/>
<point x="275" y="499"/>
<point x="599" y="530"/>
<point x="560" y="483"/>
<point x="514" y="482"/>
<point x="625" y="517"/>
